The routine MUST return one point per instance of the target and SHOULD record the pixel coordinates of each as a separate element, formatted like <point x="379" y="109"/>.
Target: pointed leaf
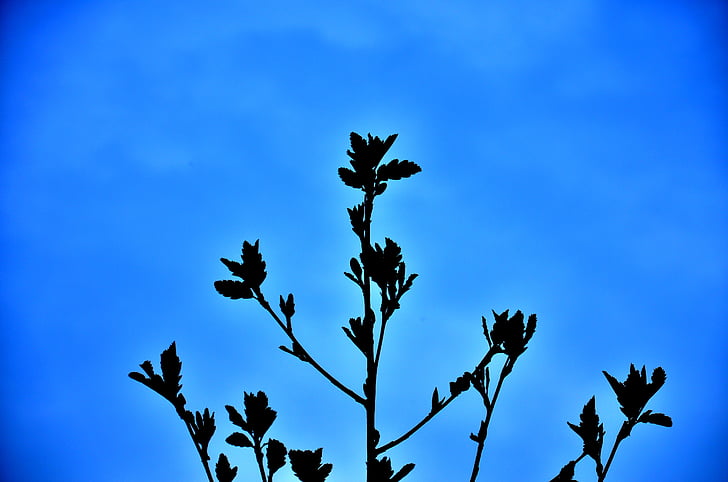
<point x="223" y="471"/>
<point x="403" y="472"/>
<point x="435" y="401"/>
<point x="236" y="418"/>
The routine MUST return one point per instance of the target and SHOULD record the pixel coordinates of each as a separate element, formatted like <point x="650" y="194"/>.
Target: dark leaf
<point x="236" y="269"/>
<point x="486" y="331"/>
<point x="355" y="267"/>
<point x="658" y="379"/>
<point x="460" y="385"/>
<point x="353" y="278"/>
<point x="436" y="403"/>
<point x="382" y="263"/>
<point x="148" y="368"/>
<point x="408" y="283"/>
<point x="204" y="428"/>
<point x="307" y="466"/>
<point x="566" y="474"/>
<point x="530" y="328"/>
<point x="358" y="144"/>
<point x="275" y="455"/>
<point x="253" y="269"/>
<point x="361" y="335"/>
<point x="288" y="307"/>
<point x="656" y="418"/>
<point x="223" y="471"/>
<point x="171" y="372"/>
<point x="356" y="217"/>
<point x="233" y="289"/>
<point x="382" y="470"/>
<point x="350" y="178"/>
<point x="634" y="393"/>
<point x="296" y="351"/>
<point x="396" y="169"/>
<point x="239" y="440"/>
<point x="403" y="472"/>
<point x="590" y="431"/>
<point x="500" y="327"/>
<point x="236" y="418"/>
<point x="258" y="414"/>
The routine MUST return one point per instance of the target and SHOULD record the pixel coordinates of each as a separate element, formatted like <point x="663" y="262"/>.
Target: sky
<point x="574" y="165"/>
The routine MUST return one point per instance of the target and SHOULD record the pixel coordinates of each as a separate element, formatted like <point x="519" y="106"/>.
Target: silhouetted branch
<point x="301" y="353"/>
<point x="382" y="265"/>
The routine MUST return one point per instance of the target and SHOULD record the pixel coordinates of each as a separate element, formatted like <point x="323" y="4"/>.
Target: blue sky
<point x="574" y="166"/>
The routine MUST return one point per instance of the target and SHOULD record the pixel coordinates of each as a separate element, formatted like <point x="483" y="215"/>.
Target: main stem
<point x="370" y="394"/>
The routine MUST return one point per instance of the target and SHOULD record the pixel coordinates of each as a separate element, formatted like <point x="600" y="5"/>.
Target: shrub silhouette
<point x="379" y="272"/>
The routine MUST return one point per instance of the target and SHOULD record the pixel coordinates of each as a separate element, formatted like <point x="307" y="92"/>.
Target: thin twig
<point x="490" y="408"/>
<point x="308" y="358"/>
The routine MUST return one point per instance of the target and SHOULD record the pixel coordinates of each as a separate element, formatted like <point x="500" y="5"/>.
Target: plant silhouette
<point x="379" y="273"/>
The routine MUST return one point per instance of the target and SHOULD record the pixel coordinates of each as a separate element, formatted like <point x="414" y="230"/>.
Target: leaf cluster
<point x="379" y="266"/>
<point x="632" y="395"/>
<point x="200" y="425"/>
<point x="251" y="271"/>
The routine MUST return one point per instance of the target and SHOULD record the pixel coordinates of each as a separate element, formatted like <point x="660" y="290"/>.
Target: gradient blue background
<point x="574" y="165"/>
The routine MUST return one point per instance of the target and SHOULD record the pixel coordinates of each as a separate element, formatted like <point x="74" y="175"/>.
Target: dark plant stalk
<point x="486" y="359"/>
<point x="489" y="408"/>
<point x="624" y="432"/>
<point x="414" y="429"/>
<point x="370" y="392"/>
<point x="259" y="458"/>
<point x="203" y="455"/>
<point x="308" y="358"/>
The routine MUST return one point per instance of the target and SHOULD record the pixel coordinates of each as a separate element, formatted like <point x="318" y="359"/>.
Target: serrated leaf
<point x="307" y="466"/>
<point x="233" y="289"/>
<point x="350" y="178"/>
<point x="590" y="431"/>
<point x="656" y="418"/>
<point x="171" y="371"/>
<point x="395" y="170"/>
<point x="275" y="455"/>
<point x="258" y="414"/>
<point x="356" y="217"/>
<point x="236" y="269"/>
<point x="223" y="471"/>
<point x="239" y="440"/>
<point x="253" y="269"/>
